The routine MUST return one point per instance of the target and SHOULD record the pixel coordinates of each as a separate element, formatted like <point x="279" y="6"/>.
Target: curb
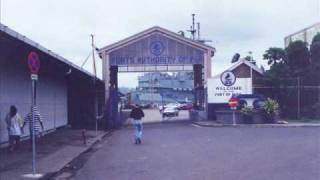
<point x="257" y="125"/>
<point x="90" y="144"/>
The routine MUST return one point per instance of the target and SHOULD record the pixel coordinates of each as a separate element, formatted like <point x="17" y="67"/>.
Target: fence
<point x="297" y="98"/>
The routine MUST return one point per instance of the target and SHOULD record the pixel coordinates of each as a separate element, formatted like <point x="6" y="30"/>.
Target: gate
<point x="155" y="50"/>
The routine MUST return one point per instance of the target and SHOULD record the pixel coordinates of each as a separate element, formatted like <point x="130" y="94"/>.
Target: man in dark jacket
<point x="136" y="114"/>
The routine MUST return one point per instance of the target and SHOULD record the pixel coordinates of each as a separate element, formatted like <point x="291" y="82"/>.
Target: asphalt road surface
<point x="174" y="151"/>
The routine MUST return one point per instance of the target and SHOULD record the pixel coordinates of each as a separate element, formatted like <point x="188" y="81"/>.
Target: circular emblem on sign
<point x="228" y="78"/>
<point x="156" y="48"/>
<point x="33" y="62"/>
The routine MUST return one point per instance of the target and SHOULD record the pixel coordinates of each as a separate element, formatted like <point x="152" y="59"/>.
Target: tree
<point x="275" y="55"/>
<point x="316" y="38"/>
<point x="298" y="57"/>
<point x="250" y="59"/>
<point x="315" y="52"/>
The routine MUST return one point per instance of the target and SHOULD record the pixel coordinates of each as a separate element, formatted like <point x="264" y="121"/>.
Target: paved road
<point x="182" y="151"/>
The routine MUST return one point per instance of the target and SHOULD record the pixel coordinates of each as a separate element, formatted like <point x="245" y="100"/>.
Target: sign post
<point x="34" y="66"/>
<point x="233" y="103"/>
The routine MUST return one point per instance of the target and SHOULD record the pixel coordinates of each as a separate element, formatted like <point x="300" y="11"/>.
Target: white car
<point x="172" y="105"/>
<point x="170" y="111"/>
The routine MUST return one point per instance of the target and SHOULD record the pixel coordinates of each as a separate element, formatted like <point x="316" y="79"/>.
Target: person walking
<point x="14" y="124"/>
<point x="137" y="115"/>
<point x="37" y="123"/>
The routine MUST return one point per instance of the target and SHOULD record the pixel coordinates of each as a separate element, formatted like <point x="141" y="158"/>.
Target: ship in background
<point x="156" y="88"/>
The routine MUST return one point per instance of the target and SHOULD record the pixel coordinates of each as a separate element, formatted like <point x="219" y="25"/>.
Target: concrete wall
<point x="15" y="89"/>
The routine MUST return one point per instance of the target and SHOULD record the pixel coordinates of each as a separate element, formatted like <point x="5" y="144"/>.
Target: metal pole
<point x="299" y="98"/>
<point x="251" y="72"/>
<point x="94" y="84"/>
<point x="33" y="130"/>
<point x="234" y="117"/>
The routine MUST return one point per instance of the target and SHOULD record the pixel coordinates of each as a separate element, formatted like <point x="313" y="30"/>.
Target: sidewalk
<point x="54" y="151"/>
<point x="290" y="124"/>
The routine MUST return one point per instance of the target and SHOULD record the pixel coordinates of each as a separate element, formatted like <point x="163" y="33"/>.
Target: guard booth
<point x="156" y="50"/>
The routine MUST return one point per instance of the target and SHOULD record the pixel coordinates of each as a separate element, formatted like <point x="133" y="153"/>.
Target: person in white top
<point x="14" y="124"/>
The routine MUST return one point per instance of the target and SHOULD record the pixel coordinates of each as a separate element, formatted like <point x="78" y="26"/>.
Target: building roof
<point x="24" y="39"/>
<point x="156" y="29"/>
<point x="239" y="63"/>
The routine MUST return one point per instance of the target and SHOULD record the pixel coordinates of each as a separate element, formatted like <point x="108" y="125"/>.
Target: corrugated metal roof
<point x="30" y="42"/>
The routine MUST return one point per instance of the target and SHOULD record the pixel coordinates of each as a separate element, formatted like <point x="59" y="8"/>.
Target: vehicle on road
<point x="170" y="105"/>
<point x="186" y="106"/>
<point x="145" y="106"/>
<point x="170" y="111"/>
<point x="252" y="100"/>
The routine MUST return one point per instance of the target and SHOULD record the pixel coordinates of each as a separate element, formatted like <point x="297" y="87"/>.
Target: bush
<point x="270" y="110"/>
<point x="247" y="114"/>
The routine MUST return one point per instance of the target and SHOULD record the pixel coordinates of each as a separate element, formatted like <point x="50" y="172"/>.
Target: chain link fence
<point x="297" y="97"/>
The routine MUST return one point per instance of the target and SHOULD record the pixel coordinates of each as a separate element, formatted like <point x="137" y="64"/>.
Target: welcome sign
<point x="221" y="89"/>
<point x="157" y="50"/>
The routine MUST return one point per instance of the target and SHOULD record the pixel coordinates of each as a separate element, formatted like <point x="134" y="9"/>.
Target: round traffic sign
<point x="33" y="62"/>
<point x="233" y="102"/>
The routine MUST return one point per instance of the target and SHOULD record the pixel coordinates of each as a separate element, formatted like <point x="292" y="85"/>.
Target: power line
<point x="85" y="61"/>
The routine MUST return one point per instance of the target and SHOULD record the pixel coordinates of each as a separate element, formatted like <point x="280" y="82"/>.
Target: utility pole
<point x="0" y="10"/>
<point x="251" y="72"/>
<point x="299" y="100"/>
<point x="192" y="28"/>
<point x="94" y="84"/>
<point x="198" y="26"/>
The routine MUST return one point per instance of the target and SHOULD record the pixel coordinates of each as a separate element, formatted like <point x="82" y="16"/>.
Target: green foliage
<point x="270" y="107"/>
<point x="277" y="75"/>
<point x="285" y="68"/>
<point x="315" y="52"/>
<point x="298" y="57"/>
<point x="250" y="59"/>
<point x="246" y="110"/>
<point x="316" y="38"/>
<point x="275" y="55"/>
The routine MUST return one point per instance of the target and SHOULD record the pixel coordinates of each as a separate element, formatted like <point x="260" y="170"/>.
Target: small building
<point x="247" y="76"/>
<point x="65" y="94"/>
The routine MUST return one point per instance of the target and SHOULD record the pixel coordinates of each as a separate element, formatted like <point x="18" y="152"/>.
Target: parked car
<point x="170" y="111"/>
<point x="186" y="106"/>
<point x="145" y="106"/>
<point x="173" y="105"/>
<point x="252" y="100"/>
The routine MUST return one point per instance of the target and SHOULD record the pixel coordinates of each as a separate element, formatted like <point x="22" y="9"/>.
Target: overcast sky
<point x="64" y="26"/>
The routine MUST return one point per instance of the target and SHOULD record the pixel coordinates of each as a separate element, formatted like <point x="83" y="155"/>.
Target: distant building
<point x="305" y="35"/>
<point x="160" y="88"/>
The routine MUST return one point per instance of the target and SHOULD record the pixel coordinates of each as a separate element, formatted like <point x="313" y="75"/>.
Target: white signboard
<point x="220" y="92"/>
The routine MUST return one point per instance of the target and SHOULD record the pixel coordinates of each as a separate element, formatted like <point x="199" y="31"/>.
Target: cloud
<point x="64" y="26"/>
